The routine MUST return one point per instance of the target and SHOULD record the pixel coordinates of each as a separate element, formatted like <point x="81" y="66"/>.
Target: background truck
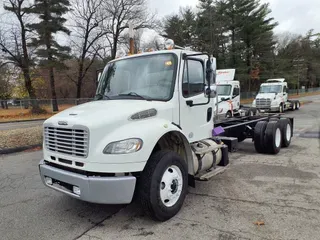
<point x="149" y="134"/>
<point x="273" y="97"/>
<point x="228" y="94"/>
<point x="228" y="91"/>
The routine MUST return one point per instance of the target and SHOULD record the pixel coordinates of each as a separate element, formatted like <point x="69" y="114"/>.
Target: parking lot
<point x="282" y="192"/>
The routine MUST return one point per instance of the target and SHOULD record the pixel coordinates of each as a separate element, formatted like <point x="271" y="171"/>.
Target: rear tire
<point x="286" y="130"/>
<point x="258" y="136"/>
<point x="163" y="185"/>
<point x="273" y="137"/>
<point x="297" y="105"/>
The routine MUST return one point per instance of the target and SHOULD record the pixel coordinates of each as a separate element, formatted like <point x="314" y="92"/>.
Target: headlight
<point x="124" y="147"/>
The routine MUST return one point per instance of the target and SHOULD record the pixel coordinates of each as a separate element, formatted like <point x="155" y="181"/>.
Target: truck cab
<point x="148" y="131"/>
<point x="228" y="91"/>
<point x="272" y="96"/>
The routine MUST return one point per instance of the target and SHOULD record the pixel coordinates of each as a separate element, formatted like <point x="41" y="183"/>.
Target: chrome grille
<point x="67" y="141"/>
<point x="263" y="103"/>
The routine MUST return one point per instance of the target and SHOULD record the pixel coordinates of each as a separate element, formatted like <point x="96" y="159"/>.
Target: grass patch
<point x="21" y="137"/>
<point x="16" y="114"/>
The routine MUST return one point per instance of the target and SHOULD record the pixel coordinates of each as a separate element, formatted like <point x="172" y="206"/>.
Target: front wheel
<point x="281" y="108"/>
<point x="163" y="185"/>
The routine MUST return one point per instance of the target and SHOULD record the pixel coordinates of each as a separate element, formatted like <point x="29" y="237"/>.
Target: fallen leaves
<point x="259" y="223"/>
<point x="21" y="137"/>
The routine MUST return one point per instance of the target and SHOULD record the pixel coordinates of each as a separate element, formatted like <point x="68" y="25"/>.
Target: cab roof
<point x="274" y="80"/>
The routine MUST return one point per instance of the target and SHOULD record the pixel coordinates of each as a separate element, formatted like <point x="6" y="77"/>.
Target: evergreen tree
<point x="51" y="53"/>
<point x="181" y="27"/>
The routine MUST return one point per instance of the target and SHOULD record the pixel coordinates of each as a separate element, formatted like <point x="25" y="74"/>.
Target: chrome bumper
<point x="104" y="190"/>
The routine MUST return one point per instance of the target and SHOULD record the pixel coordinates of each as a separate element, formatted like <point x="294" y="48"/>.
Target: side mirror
<point x="211" y="92"/>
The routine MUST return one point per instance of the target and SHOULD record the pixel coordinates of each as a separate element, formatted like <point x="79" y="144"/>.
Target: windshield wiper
<point x="134" y="94"/>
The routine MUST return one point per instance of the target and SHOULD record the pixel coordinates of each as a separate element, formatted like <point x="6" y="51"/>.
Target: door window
<point x="284" y="89"/>
<point x="193" y="78"/>
<point x="236" y="91"/>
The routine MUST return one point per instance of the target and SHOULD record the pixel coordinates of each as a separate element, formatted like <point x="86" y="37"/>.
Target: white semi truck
<point x="273" y="97"/>
<point x="149" y="133"/>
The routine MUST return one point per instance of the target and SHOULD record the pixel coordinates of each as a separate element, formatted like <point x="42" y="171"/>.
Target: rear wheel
<point x="298" y="105"/>
<point x="286" y="130"/>
<point x="258" y="136"/>
<point x="273" y="137"/>
<point x="163" y="185"/>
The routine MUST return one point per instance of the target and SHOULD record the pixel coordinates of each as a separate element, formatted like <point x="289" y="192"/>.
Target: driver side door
<point x="236" y="97"/>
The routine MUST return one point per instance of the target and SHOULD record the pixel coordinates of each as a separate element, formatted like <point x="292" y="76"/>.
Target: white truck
<point x="228" y="94"/>
<point x="273" y="97"/>
<point x="149" y="133"/>
<point x="228" y="91"/>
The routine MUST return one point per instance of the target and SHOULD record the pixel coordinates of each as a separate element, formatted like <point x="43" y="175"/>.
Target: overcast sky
<point x="297" y="16"/>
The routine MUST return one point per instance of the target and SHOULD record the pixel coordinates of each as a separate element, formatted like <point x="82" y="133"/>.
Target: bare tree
<point x="87" y="32"/>
<point x="14" y="45"/>
<point x="122" y="12"/>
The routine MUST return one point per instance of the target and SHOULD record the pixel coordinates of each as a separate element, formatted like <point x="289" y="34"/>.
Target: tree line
<point x="240" y="34"/>
<point x="53" y="48"/>
<point x="93" y="29"/>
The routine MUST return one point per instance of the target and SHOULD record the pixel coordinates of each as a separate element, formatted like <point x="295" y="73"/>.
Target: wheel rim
<point x="171" y="186"/>
<point x="288" y="133"/>
<point x="251" y="113"/>
<point x="278" y="137"/>
<point x="298" y="105"/>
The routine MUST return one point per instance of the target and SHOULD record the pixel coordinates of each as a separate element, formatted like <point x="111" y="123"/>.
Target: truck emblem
<point x="64" y="123"/>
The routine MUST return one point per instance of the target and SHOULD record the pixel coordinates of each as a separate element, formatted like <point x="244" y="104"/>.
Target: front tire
<point x="281" y="108"/>
<point x="163" y="185"/>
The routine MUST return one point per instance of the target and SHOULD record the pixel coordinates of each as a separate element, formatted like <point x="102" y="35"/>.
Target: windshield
<point x="147" y="77"/>
<point x="270" y="89"/>
<point x="224" y="90"/>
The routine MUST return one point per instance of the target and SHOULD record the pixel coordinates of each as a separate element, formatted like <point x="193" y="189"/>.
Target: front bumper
<point x="269" y="109"/>
<point x="104" y="190"/>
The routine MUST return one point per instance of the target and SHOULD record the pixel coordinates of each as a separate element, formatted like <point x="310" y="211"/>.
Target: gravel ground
<point x="20" y="137"/>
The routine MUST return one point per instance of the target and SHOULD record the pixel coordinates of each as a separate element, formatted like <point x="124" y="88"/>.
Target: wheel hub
<point x="288" y="133"/>
<point x="278" y="138"/>
<point x="171" y="186"/>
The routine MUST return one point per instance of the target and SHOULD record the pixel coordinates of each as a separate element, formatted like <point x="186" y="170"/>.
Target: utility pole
<point x="298" y="61"/>
<point x="131" y="36"/>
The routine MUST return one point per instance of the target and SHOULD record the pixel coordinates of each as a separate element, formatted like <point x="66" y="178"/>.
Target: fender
<point x="149" y="130"/>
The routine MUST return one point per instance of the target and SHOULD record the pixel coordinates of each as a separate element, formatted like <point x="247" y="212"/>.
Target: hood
<point x="266" y="95"/>
<point x="108" y="112"/>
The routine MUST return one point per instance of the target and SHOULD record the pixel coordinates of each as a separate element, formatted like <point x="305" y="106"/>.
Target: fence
<point x="43" y="103"/>
<point x="69" y="102"/>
